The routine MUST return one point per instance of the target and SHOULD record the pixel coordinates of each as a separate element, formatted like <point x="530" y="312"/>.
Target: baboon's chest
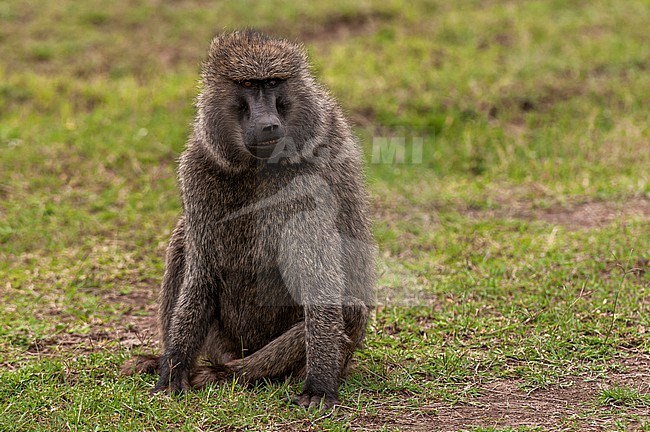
<point x="251" y="232"/>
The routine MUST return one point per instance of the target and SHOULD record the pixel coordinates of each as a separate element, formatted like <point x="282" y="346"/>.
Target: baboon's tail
<point x="143" y="364"/>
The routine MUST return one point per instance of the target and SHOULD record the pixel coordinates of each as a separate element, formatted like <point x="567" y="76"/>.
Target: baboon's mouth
<point x="268" y="143"/>
<point x="264" y="149"/>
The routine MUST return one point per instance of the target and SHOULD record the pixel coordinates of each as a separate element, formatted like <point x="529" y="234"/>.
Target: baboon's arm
<point x="310" y="258"/>
<point x="194" y="309"/>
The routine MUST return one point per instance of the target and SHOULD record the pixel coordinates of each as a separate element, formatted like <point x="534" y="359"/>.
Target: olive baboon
<point x="270" y="269"/>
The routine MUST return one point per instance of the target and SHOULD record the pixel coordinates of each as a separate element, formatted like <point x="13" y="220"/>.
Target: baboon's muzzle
<point x="268" y="133"/>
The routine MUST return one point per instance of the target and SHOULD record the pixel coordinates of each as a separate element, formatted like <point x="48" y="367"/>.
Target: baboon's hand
<point x="318" y="401"/>
<point x="174" y="377"/>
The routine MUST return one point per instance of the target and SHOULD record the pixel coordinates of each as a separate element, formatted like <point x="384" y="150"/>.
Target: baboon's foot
<point x="316" y="401"/>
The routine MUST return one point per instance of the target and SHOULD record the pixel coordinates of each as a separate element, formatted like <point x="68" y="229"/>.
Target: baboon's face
<point x="262" y="109"/>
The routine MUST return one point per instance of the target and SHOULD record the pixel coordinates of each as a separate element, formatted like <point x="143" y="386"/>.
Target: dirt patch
<point x="573" y="406"/>
<point x="596" y="214"/>
<point x="333" y="27"/>
<point x="518" y="101"/>
<point x="135" y="326"/>
<point x="139" y="324"/>
<point x="504" y="404"/>
<point x="584" y="215"/>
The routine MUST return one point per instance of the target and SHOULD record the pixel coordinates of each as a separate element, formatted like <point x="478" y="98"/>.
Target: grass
<point x="623" y="396"/>
<point x="514" y="249"/>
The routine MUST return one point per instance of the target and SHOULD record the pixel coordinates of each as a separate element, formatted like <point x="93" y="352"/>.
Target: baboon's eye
<point x="247" y="84"/>
<point x="271" y="83"/>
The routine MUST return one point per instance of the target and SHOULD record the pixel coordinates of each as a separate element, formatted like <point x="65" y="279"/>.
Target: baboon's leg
<point x="287" y="353"/>
<point x="281" y="356"/>
<point x="218" y="349"/>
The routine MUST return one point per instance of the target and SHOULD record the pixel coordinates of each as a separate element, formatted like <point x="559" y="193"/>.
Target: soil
<point x="573" y="406"/>
<point x="336" y="27"/>
<point x="574" y="216"/>
<point x="136" y="329"/>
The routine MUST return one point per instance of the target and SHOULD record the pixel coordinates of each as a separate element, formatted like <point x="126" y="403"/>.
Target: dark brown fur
<point x="270" y="269"/>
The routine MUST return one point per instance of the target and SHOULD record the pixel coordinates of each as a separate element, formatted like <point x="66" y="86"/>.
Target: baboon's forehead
<point x="241" y="56"/>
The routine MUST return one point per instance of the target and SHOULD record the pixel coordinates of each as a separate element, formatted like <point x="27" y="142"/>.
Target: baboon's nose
<point x="269" y="130"/>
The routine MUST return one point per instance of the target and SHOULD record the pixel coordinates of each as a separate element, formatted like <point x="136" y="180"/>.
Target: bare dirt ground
<point x="136" y="328"/>
<point x="585" y="215"/>
<point x="571" y="407"/>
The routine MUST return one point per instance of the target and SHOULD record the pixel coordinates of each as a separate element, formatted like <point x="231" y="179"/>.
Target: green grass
<point x="515" y="249"/>
<point x="623" y="396"/>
